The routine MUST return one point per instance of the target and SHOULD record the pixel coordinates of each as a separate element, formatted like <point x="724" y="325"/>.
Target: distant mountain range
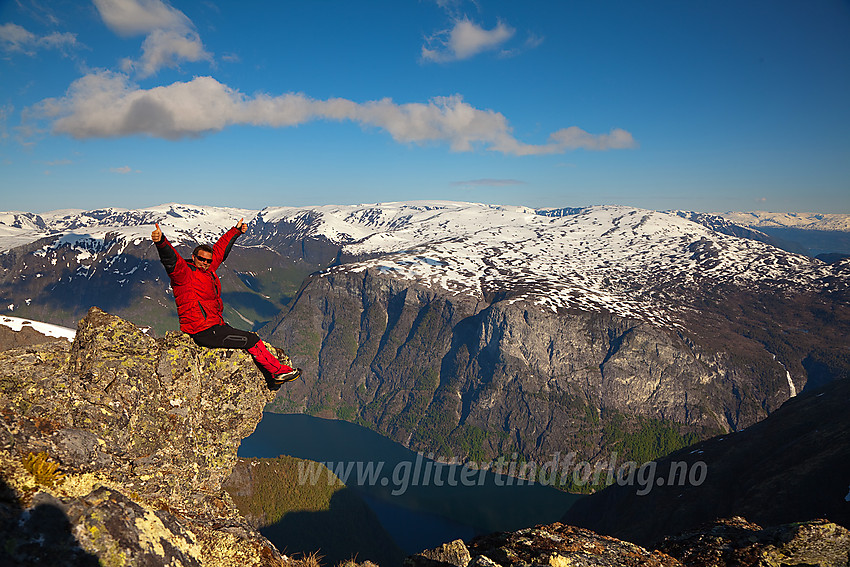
<point x="478" y="330"/>
<point x="825" y="236"/>
<point x="804" y="221"/>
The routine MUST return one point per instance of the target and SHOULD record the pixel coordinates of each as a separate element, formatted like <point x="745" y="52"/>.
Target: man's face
<point x="203" y="260"/>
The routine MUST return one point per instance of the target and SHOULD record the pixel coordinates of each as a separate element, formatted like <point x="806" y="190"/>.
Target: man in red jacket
<point x="197" y="292"/>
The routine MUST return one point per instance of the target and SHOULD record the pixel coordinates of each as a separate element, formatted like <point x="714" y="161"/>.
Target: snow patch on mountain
<point x="17" y="323"/>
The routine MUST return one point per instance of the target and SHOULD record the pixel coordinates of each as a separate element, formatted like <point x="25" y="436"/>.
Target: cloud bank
<point x="108" y="105"/>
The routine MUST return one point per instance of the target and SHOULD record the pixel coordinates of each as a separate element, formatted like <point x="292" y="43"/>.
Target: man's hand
<point x="156" y="235"/>
<point x="242" y="226"/>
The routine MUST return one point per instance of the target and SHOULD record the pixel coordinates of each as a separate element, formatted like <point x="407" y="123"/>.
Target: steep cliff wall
<point x="477" y="379"/>
<point x="114" y="449"/>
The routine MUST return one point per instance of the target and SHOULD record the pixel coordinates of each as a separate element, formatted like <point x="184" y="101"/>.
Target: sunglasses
<point x="203" y="259"/>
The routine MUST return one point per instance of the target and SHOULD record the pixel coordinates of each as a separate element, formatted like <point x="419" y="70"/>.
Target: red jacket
<point x="196" y="292"/>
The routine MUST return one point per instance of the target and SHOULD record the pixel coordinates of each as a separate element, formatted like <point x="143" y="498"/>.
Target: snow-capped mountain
<point x="825" y="236"/>
<point x="56" y="265"/>
<point x="613" y="258"/>
<point x="621" y="260"/>
<point x="617" y="259"/>
<point x="533" y="330"/>
<point x="186" y="223"/>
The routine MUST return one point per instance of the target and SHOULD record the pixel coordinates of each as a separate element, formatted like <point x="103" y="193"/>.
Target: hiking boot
<point x="293" y="374"/>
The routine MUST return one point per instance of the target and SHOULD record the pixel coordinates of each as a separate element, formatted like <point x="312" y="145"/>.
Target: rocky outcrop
<point x="735" y="541"/>
<point x="477" y="379"/>
<point x="10" y="339"/>
<point x="555" y="545"/>
<point x="114" y="449"/>
<point x="732" y="542"/>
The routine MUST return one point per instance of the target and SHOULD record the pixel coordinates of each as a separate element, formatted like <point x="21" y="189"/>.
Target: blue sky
<point x="698" y="105"/>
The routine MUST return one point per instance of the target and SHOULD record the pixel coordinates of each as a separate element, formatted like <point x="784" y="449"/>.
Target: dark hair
<point x="204" y="247"/>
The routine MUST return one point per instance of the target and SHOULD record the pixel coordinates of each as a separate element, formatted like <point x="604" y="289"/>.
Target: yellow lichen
<point x="80" y="485"/>
<point x="152" y="532"/>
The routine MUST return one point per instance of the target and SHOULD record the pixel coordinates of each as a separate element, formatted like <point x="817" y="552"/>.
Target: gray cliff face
<point x="122" y="442"/>
<point x="475" y="380"/>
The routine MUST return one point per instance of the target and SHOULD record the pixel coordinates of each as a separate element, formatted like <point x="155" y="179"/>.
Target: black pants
<point x="225" y="336"/>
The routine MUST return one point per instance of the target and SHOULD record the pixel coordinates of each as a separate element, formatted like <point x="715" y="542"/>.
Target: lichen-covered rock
<point x="732" y="542"/>
<point x="739" y="543"/>
<point x="555" y="545"/>
<point x="454" y="553"/>
<point x="144" y="432"/>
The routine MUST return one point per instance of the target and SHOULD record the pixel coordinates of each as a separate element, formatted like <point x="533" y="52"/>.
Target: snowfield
<point x="618" y="259"/>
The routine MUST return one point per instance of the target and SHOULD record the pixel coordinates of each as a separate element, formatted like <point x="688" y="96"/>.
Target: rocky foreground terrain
<point x="114" y="449"/>
<point x="725" y="543"/>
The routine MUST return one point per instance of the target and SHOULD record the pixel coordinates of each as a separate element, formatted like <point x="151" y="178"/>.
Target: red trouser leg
<point x="267" y="360"/>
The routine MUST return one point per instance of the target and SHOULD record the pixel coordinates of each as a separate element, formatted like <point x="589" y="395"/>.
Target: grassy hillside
<point x="302" y="518"/>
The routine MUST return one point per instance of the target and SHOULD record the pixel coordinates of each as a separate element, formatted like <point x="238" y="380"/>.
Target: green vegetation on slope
<point x="303" y="508"/>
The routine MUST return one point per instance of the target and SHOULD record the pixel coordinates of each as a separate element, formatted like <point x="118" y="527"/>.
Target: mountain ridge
<point x="116" y="239"/>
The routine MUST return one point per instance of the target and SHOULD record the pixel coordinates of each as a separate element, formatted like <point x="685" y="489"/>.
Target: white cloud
<point x="573" y="138"/>
<point x="165" y="48"/>
<point x="140" y="17"/>
<point x="171" y="36"/>
<point x="466" y="39"/>
<point x="108" y="105"/>
<point x="123" y="170"/>
<point x="14" y="38"/>
<point x="533" y="41"/>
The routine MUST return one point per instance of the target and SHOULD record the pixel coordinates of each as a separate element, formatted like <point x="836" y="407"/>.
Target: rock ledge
<point x="144" y="431"/>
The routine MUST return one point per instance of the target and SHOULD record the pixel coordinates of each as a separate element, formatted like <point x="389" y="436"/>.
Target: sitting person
<point x="197" y="292"/>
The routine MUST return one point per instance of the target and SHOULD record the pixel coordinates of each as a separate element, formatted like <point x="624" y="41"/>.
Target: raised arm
<point x="174" y="264"/>
<point x="222" y="248"/>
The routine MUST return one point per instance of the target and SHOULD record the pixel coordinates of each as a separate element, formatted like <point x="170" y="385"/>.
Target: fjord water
<point x="413" y="497"/>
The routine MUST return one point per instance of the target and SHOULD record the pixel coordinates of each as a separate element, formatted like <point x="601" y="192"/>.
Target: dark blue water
<point x="421" y="503"/>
